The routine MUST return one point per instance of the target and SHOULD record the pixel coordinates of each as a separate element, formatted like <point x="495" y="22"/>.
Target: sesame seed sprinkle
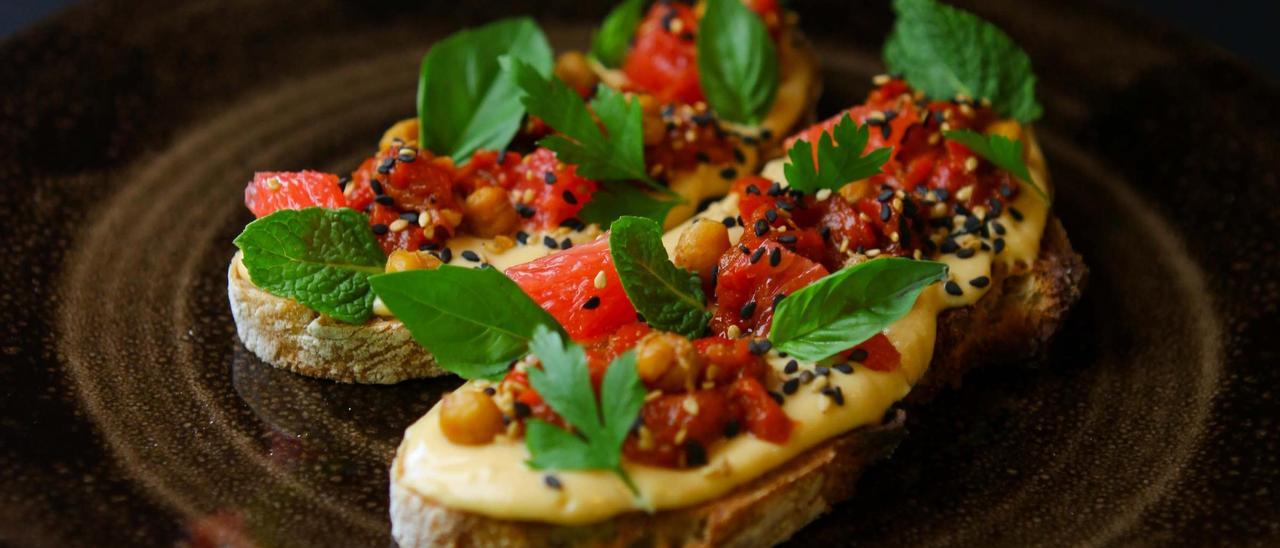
<point x="592" y="303"/>
<point x="470" y="256"/>
<point x="980" y="281"/>
<point x="953" y="288"/>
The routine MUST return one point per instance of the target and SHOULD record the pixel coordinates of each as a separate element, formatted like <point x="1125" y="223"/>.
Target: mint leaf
<point x="609" y="45"/>
<point x="618" y="199"/>
<point x="466" y="101"/>
<point x="475" y="321"/>
<point x="848" y="307"/>
<point x="837" y="165"/>
<point x="600" y="427"/>
<point x="670" y="298"/>
<point x="1002" y="151"/>
<point x="319" y="257"/>
<point x="737" y="62"/>
<point x="615" y="155"/>
<point x="945" y="52"/>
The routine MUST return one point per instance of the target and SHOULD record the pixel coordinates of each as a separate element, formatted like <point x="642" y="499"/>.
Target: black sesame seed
<point x="522" y="409"/>
<point x="766" y="133"/>
<point x="822" y="370"/>
<point x="965" y="252"/>
<point x="843" y="368"/>
<point x="953" y="288"/>
<point x="983" y="246"/>
<point x="885" y="212"/>
<point x="778" y="298"/>
<point x="949" y="245"/>
<point x="524" y="211"/>
<point x="825" y="233"/>
<point x="777" y="397"/>
<point x="552" y="482"/>
<point x="757" y="254"/>
<point x="386" y="165"/>
<point x="343" y="182"/>
<point x="835" y="393"/>
<point x="522" y="237"/>
<point x="999" y="228"/>
<point x="549" y="177"/>
<point x="775" y="256"/>
<point x="942" y="194"/>
<point x="550" y="242"/>
<point x="385" y="200"/>
<point x="858" y="355"/>
<point x="886" y="130"/>
<point x="640" y="318"/>
<point x="694" y="454"/>
<point x="573" y="223"/>
<point x="971" y="223"/>
<point x="729" y="222"/>
<point x="775" y="189"/>
<point x="785" y="206"/>
<point x="732" y="428"/>
<point x="998" y="245"/>
<point x="446" y="255"/>
<point x="569" y="197"/>
<point x="790" y="386"/>
<point x="738" y="156"/>
<point x="566" y="243"/>
<point x="701" y="118"/>
<point x="961" y="209"/>
<point x="806" y="376"/>
<point x="791" y="367"/>
<point x="407" y="155"/>
<point x="425" y="247"/>
<point x="701" y="157"/>
<point x="1006" y="191"/>
<point x="380" y="229"/>
<point x="744" y="249"/>
<point x="748" y="310"/>
<point x="1013" y="212"/>
<point x="761" y="227"/>
<point x="980" y="281"/>
<point x="751" y="189"/>
<point x="759" y="347"/>
<point x="376" y="186"/>
<point x="489" y="390"/>
<point x="592" y="303"/>
<point x="771" y="215"/>
<point x="470" y="256"/>
<point x="787" y="239"/>
<point x="409" y="216"/>
<point x="996" y="206"/>
<point x="728" y="173"/>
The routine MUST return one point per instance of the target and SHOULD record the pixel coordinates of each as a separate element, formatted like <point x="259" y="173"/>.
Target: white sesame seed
<point x="894" y="237"/>
<point x="398" y="225"/>
<point x="601" y="280"/>
<point x="733" y="332"/>
<point x="880" y="79"/>
<point x="822" y="194"/>
<point x="971" y="164"/>
<point x="424" y="219"/>
<point x="965" y="193"/>
<point x="273" y="183"/>
<point x="690" y="405"/>
<point x="873" y="252"/>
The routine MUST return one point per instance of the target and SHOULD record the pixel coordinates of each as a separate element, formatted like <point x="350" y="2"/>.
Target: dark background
<point x="1245" y="28"/>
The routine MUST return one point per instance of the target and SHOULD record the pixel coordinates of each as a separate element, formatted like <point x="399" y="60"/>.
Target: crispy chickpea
<point x="402" y="260"/>
<point x="701" y="245"/>
<point x="469" y="417"/>
<point x="857" y="190"/>
<point x="488" y="212"/>
<point x="406" y="130"/>
<point x="575" y="70"/>
<point x="668" y="361"/>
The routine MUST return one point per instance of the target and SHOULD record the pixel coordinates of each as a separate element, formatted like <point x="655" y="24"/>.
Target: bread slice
<point x="290" y="336"/>
<point x="1015" y="320"/>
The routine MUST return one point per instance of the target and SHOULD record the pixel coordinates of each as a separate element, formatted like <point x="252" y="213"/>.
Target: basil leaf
<point x="475" y="321"/>
<point x="945" y="52"/>
<point x="564" y="383"/>
<point x="836" y="166"/>
<point x="737" y="62"/>
<point x="319" y="257"/>
<point x="669" y="297"/>
<point x="610" y="44"/>
<point x="848" y="307"/>
<point x="466" y="101"/>
<point x="1002" y="151"/>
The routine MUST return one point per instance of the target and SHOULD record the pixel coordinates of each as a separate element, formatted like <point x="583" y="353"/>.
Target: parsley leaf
<point x="610" y="44"/>
<point x="617" y="154"/>
<point x="466" y="101"/>
<point x="945" y="52"/>
<point x="844" y="309"/>
<point x="669" y="297"/>
<point x="319" y="257"/>
<point x="1002" y="151"/>
<point x="836" y="166"/>
<point x="599" y="427"/>
<point x="475" y="321"/>
<point x="737" y="62"/>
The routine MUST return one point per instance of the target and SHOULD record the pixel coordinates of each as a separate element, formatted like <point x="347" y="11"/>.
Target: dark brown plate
<point x="129" y="413"/>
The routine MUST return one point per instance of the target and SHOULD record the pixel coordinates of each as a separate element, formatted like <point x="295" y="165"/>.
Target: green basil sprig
<point x="669" y="297"/>
<point x="737" y="62"/>
<point x="466" y="101"/>
<point x="474" y="321"/>
<point x="945" y="52"/>
<point x="609" y="45"/>
<point x="1002" y="151"/>
<point x="848" y="307"/>
<point x="319" y="257"/>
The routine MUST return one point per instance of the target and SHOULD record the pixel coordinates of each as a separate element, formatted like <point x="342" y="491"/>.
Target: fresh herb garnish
<point x="737" y="62"/>
<point x="599" y="427"/>
<point x="474" y="321"/>
<point x="1002" y="151"/>
<point x="609" y="45"/>
<point x="615" y="155"/>
<point x="946" y="52"/>
<point x="848" y="307"/>
<point x="319" y="257"/>
<point x="839" y="161"/>
<point x="466" y="101"/>
<point x="669" y="297"/>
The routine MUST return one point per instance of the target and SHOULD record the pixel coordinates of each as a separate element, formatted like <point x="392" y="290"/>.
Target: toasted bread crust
<point x="1014" y="321"/>
<point x="292" y="337"/>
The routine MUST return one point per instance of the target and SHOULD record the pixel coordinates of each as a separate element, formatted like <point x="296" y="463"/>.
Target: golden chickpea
<point x="469" y="417"/>
<point x="668" y="361"/>
<point x="701" y="245"/>
<point x="573" y="68"/>
<point x="856" y="191"/>
<point x="488" y="212"/>
<point x="402" y="260"/>
<point x="406" y="130"/>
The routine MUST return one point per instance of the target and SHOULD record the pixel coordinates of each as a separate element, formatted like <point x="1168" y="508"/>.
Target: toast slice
<point x="1014" y="321"/>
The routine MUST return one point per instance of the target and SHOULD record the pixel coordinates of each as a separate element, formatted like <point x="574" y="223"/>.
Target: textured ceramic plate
<point x="130" y="414"/>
